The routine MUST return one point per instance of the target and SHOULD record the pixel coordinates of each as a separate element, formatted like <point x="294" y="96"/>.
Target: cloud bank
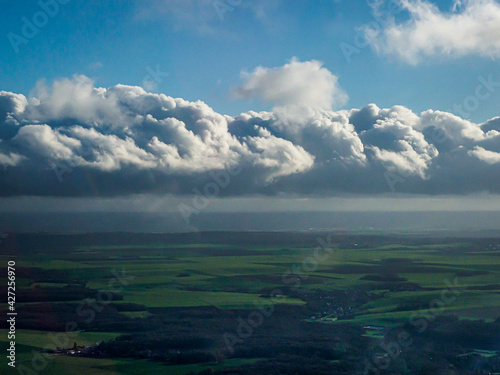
<point x="471" y="27"/>
<point x="74" y="139"/>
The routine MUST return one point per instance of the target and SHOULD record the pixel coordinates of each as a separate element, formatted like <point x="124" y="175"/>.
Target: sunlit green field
<point x="168" y="275"/>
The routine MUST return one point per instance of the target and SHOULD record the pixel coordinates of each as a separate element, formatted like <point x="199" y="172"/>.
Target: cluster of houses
<point x="333" y="305"/>
<point x="82" y="351"/>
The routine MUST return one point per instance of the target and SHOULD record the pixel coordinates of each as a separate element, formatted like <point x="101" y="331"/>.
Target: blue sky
<point x="119" y="41"/>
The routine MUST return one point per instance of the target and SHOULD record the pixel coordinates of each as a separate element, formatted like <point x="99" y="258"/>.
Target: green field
<point x="395" y="280"/>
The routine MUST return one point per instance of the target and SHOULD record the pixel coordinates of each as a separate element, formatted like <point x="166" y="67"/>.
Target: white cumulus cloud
<point x="296" y="83"/>
<point x="470" y="27"/>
